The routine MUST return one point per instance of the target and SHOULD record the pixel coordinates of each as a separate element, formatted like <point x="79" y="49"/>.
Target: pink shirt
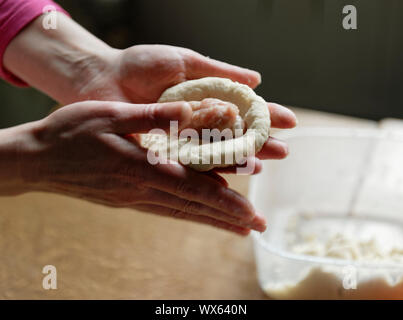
<point x="14" y="16"/>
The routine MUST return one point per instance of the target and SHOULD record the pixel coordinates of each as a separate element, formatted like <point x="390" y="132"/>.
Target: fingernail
<point x="258" y="223"/>
<point x="175" y="111"/>
<point x="284" y="146"/>
<point x="259" y="214"/>
<point x="279" y="146"/>
<point x="287" y="111"/>
<point x="286" y="115"/>
<point x="259" y="77"/>
<point x="289" y="114"/>
<point x="259" y="227"/>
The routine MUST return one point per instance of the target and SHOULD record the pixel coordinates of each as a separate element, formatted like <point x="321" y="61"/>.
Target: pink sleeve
<point x="14" y="16"/>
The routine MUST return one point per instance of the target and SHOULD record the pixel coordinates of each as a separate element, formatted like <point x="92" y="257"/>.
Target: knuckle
<point x="178" y="214"/>
<point x="149" y="115"/>
<point x="124" y="199"/>
<point x="109" y="113"/>
<point x="128" y="199"/>
<point x="214" y="223"/>
<point x="190" y="55"/>
<point x="184" y="188"/>
<point x="104" y="110"/>
<point x="113" y="113"/>
<point x="130" y="168"/>
<point x="111" y="110"/>
<point x="191" y="207"/>
<point x="130" y="195"/>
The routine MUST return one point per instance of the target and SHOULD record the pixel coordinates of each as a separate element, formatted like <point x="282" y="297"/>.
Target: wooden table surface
<point x="104" y="253"/>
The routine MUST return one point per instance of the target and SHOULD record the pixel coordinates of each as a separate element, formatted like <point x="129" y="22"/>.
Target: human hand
<point x="72" y="65"/>
<point x="141" y="73"/>
<point x="84" y="150"/>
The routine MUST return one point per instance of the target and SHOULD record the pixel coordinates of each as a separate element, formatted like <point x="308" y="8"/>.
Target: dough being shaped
<point x="211" y="113"/>
<point x="206" y="156"/>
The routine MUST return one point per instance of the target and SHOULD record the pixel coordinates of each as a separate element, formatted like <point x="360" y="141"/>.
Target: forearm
<point x="59" y="62"/>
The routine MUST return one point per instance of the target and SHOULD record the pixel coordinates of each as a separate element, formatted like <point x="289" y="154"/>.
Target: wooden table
<point x="104" y="253"/>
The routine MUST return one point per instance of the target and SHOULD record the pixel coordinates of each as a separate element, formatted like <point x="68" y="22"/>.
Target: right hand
<point x="83" y="150"/>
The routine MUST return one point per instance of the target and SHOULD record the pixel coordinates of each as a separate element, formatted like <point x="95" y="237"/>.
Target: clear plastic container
<point x="334" y="208"/>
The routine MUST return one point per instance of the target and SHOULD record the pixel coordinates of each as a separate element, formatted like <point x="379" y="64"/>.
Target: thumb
<point x="141" y="118"/>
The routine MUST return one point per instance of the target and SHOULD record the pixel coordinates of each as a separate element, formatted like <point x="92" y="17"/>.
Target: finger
<point x="198" y="187"/>
<point x="139" y="118"/>
<point x="253" y="166"/>
<point x="281" y="117"/>
<point x="164" y="211"/>
<point x="273" y="149"/>
<point x="217" y="177"/>
<point x="199" y="66"/>
<point x="171" y="201"/>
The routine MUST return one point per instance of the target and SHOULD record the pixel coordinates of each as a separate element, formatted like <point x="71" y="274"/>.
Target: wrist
<point x="94" y="75"/>
<point x="17" y="149"/>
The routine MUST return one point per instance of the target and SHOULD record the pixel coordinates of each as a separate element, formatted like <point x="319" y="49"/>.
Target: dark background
<point x="305" y="56"/>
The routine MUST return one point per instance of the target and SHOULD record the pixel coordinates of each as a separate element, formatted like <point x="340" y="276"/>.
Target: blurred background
<point x="305" y="56"/>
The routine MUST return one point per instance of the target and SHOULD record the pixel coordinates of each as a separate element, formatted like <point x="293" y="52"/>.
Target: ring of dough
<point x="203" y="157"/>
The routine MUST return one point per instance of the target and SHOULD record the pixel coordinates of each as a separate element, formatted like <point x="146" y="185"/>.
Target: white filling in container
<point x="335" y="216"/>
